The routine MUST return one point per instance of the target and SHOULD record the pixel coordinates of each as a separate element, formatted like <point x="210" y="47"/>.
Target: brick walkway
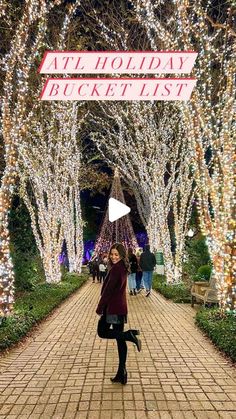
<point x="63" y="371"/>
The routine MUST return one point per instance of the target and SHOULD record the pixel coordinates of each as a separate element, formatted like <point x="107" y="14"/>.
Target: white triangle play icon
<point x="116" y="209"/>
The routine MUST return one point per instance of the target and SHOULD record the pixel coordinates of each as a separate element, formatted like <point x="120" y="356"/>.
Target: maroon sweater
<point x="113" y="293"/>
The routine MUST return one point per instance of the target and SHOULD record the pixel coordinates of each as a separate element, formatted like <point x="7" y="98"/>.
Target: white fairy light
<point x="13" y="106"/>
<point x="50" y="161"/>
<point x="209" y="117"/>
<point x="18" y="64"/>
<point x="135" y="139"/>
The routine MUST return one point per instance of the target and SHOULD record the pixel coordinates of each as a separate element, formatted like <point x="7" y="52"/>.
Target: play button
<point x="116" y="209"/>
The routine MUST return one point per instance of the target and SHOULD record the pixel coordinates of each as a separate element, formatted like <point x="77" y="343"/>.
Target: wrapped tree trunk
<point x="18" y="62"/>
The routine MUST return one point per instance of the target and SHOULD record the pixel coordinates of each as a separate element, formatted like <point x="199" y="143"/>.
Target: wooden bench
<point x="204" y="291"/>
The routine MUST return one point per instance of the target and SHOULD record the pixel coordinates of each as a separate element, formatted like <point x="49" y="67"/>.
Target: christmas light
<point x="13" y="103"/>
<point x="16" y="106"/>
<point x="209" y="116"/>
<point x="50" y="163"/>
<point x="151" y="157"/>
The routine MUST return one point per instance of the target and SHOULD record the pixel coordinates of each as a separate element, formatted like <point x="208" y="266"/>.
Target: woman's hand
<point x="98" y="312"/>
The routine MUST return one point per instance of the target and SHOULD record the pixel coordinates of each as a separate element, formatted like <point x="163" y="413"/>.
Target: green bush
<point x="197" y="256"/>
<point x="27" y="262"/>
<point x="179" y="293"/>
<point x="221" y="329"/>
<point x="21" y="233"/>
<point x="203" y="273"/>
<point x="28" y="270"/>
<point x="35" y="305"/>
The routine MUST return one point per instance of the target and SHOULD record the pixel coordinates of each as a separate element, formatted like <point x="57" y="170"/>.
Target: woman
<point x="113" y="309"/>
<point x="139" y="274"/>
<point x="133" y="267"/>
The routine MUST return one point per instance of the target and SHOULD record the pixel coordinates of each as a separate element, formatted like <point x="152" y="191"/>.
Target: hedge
<point x="221" y="329"/>
<point x="179" y="293"/>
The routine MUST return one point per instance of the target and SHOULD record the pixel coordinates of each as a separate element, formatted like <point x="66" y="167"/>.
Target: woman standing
<point x="133" y="267"/>
<point x="112" y="308"/>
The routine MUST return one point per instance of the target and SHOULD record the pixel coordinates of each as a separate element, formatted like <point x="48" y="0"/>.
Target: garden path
<point x="63" y="370"/>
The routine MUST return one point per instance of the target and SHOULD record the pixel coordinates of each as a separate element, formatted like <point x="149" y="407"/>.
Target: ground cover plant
<point x="179" y="293"/>
<point x="221" y="329"/>
<point x="33" y="306"/>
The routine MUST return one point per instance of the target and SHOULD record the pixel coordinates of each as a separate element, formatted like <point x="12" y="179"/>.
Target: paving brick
<point x="139" y="405"/>
<point x="165" y="415"/>
<point x="93" y="414"/>
<point x="177" y="415"/>
<point x="16" y="410"/>
<point x="64" y="372"/>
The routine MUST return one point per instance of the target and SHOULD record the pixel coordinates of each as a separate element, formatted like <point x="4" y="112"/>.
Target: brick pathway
<point x="64" y="370"/>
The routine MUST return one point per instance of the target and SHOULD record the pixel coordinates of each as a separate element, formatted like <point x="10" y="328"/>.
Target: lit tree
<point x="150" y="156"/>
<point x="19" y="66"/>
<point x="121" y="230"/>
<point x="50" y="162"/>
<point x="52" y="176"/>
<point x="209" y="116"/>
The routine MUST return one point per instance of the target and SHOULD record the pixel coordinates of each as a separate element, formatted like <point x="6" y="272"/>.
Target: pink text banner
<point x="118" y="89"/>
<point x="117" y="62"/>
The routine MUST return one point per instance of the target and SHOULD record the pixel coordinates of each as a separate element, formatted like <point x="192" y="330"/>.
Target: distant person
<point x="112" y="308"/>
<point x="105" y="260"/>
<point x="95" y="268"/>
<point x="133" y="267"/>
<point x="147" y="264"/>
<point x="102" y="271"/>
<point x="139" y="273"/>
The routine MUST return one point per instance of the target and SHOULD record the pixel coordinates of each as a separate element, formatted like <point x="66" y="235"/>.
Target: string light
<point x="209" y="118"/>
<point x="50" y="161"/>
<point x="207" y="125"/>
<point x="18" y="64"/>
<point x="13" y="105"/>
<point x="155" y="163"/>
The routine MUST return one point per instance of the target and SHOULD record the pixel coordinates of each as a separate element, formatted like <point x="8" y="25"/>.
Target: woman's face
<point x="114" y="256"/>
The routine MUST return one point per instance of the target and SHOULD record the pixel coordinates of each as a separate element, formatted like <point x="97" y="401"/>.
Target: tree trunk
<point x="6" y="267"/>
<point x="51" y="266"/>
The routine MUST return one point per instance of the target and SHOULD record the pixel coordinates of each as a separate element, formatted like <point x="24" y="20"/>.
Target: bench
<point x="204" y="291"/>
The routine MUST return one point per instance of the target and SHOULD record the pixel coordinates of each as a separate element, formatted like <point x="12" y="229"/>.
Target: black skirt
<point x="116" y="318"/>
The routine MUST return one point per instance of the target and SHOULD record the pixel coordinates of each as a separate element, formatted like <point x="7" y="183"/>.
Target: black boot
<point x="130" y="336"/>
<point x="121" y="376"/>
<point x="135" y="331"/>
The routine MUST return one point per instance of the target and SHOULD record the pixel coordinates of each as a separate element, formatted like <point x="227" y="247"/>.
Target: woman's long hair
<point x="123" y="255"/>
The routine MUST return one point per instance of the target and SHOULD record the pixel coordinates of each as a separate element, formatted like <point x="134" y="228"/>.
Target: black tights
<point x="105" y="332"/>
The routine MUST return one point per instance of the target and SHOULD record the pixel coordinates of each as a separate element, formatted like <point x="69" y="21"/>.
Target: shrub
<point x="204" y="273"/>
<point x="35" y="305"/>
<point x="27" y="263"/>
<point x="197" y="255"/>
<point x="221" y="329"/>
<point x="21" y="233"/>
<point x="28" y="270"/>
<point x="179" y="293"/>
